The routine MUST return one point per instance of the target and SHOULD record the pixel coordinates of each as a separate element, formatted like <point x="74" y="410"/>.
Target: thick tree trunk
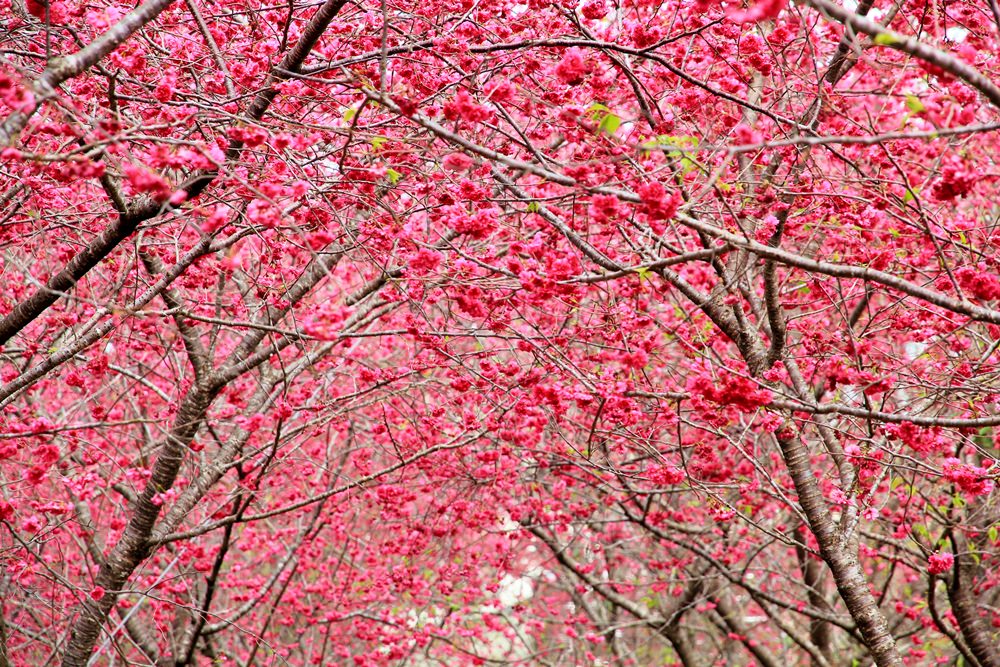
<point x="852" y="584"/>
<point x="134" y="545"/>
<point x="685" y="652"/>
<point x="812" y="577"/>
<point x="965" y="607"/>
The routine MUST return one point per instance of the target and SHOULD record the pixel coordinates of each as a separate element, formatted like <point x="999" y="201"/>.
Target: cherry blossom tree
<point x="466" y="333"/>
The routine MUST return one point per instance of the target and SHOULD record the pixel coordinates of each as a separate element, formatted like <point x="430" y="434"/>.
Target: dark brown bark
<point x="847" y="572"/>
<point x="812" y="577"/>
<point x="29" y="309"/>
<point x="685" y="652"/>
<point x="3" y="640"/>
<point x="134" y="545"/>
<point x="965" y="607"/>
<point x="733" y="622"/>
<point x="911" y="46"/>
<point x="128" y="221"/>
<point x="65" y="68"/>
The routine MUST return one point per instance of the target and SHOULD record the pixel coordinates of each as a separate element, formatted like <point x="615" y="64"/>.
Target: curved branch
<point x="127" y="222"/>
<point x="65" y="68"/>
<point x="911" y="46"/>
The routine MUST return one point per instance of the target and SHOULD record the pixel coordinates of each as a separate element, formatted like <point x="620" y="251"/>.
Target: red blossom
<point x="974" y="480"/>
<point x="666" y="475"/>
<point x="939" y="563"/>
<point x="143" y="180"/>
<point x="464" y="107"/>
<point x="376" y="333"/>
<point x="656" y="203"/>
<point x="759" y="10"/>
<point x="457" y="162"/>
<point x="594" y="9"/>
<point x="573" y="67"/>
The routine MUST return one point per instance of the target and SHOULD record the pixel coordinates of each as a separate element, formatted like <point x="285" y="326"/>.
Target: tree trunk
<point x="852" y="584"/>
<point x="965" y="608"/>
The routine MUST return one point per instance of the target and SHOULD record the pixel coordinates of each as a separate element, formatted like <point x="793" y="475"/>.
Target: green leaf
<point x="610" y="123"/>
<point x="533" y="207"/>
<point x="349" y="114"/>
<point x="993" y="533"/>
<point x="648" y="146"/>
<point x="909" y="196"/>
<point x="393" y="175"/>
<point x="670" y="141"/>
<point x="886" y="39"/>
<point x="607" y="120"/>
<point x="914" y="104"/>
<point x="679" y="141"/>
<point x="378" y="142"/>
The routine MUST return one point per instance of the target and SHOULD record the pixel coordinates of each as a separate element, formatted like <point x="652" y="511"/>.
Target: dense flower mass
<point x="939" y="563"/>
<point x="387" y="333"/>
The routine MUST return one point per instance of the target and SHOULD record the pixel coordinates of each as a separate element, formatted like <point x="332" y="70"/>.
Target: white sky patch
<point x="914" y="350"/>
<point x="507" y="524"/>
<point x="515" y="590"/>
<point x="956" y="34"/>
